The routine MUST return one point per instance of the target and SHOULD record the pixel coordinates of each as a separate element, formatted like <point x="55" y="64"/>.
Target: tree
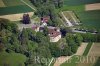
<point x="58" y="3"/>
<point x="1" y="47"/>
<point x="3" y="23"/>
<point x="45" y="31"/>
<point x="24" y="37"/>
<point x="26" y="19"/>
<point x="55" y="50"/>
<point x="74" y="48"/>
<point x="64" y="31"/>
<point x="78" y="39"/>
<point x="70" y="39"/>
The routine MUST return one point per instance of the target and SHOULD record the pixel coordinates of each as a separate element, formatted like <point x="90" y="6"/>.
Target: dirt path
<point x="95" y="6"/>
<point x="28" y="5"/>
<point x="63" y="59"/>
<point x="81" y="49"/>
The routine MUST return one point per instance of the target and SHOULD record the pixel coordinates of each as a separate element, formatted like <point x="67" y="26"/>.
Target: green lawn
<point x="90" y="19"/>
<point x="97" y="62"/>
<point x="73" y="8"/>
<point x="12" y="59"/>
<point x="79" y="2"/>
<point x="15" y="9"/>
<point x="77" y="5"/>
<point x="87" y="49"/>
<point x="12" y="2"/>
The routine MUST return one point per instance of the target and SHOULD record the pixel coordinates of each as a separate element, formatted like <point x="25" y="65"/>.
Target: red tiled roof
<point x="53" y="32"/>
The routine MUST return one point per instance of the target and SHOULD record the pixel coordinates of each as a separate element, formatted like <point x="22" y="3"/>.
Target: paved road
<point x="77" y="31"/>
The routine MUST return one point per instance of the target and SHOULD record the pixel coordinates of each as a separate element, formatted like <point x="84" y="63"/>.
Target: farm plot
<point x="80" y="2"/>
<point x="95" y="6"/>
<point x="95" y="51"/>
<point x="77" y="5"/>
<point x="92" y="57"/>
<point x="72" y="17"/>
<point x="15" y="10"/>
<point x="90" y="19"/>
<point x="12" y="2"/>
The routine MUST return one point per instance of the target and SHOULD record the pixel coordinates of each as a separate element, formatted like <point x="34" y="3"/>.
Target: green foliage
<point x="88" y="37"/>
<point x="97" y="62"/>
<point x="78" y="39"/>
<point x="47" y="8"/>
<point x="10" y="59"/>
<point x="73" y="41"/>
<point x="90" y="19"/>
<point x="1" y="47"/>
<point x="87" y="49"/>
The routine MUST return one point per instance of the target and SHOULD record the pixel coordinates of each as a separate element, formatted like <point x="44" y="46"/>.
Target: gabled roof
<point x="53" y="31"/>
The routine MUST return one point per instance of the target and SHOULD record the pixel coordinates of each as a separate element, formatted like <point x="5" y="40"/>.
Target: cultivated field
<point x="80" y="2"/>
<point x="14" y="9"/>
<point x="70" y="15"/>
<point x="63" y="61"/>
<point x="2" y="4"/>
<point x="90" y="19"/>
<point x="95" y="51"/>
<point x="95" y="6"/>
<point x="92" y="57"/>
<point x="12" y="2"/>
<point x="16" y="17"/>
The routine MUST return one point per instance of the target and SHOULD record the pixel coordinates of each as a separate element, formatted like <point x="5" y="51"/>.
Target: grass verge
<point x="87" y="49"/>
